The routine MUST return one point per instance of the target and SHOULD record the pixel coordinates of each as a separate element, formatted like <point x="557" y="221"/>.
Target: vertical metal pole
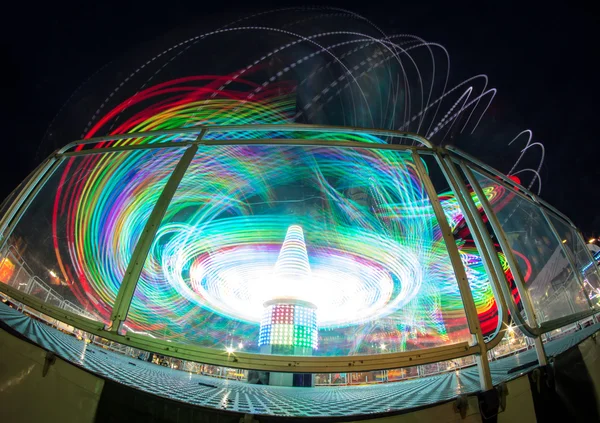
<point x="505" y="245"/>
<point x="488" y="253"/>
<point x="492" y="255"/>
<point x="138" y="258"/>
<point x="461" y="194"/>
<point x="16" y="278"/>
<point x="27" y="289"/>
<point x="539" y="350"/>
<point x="567" y="253"/>
<point x="459" y="273"/>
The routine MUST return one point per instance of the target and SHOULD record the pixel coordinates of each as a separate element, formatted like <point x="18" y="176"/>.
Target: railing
<point x="24" y="280"/>
<point x="455" y="165"/>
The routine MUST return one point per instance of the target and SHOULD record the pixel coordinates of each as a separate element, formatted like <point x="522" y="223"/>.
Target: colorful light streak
<point x="378" y="267"/>
<point x="374" y="263"/>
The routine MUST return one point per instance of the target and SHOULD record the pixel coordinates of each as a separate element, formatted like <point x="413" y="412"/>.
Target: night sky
<point x="542" y="61"/>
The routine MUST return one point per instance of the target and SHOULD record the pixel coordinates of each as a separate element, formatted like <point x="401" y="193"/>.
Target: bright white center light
<point x="345" y="287"/>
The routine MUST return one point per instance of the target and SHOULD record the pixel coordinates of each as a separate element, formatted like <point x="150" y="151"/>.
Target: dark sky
<point x="542" y="61"/>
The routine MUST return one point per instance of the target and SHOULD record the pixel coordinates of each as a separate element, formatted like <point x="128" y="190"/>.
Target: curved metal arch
<point x="537" y="329"/>
<point x="482" y="241"/>
<point x="268" y="362"/>
<point x="249" y="361"/>
<point x="236" y="128"/>
<point x="506" y="180"/>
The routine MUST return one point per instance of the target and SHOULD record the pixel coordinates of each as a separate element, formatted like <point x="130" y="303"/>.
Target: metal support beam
<point x="457" y="265"/>
<point x="482" y="239"/>
<point x="512" y="262"/>
<point x="138" y="258"/>
<point x="506" y="180"/>
<point x="293" y="127"/>
<point x="237" y="142"/>
<point x="26" y="185"/>
<point x="40" y="176"/>
<point x="245" y="360"/>
<point x="458" y="188"/>
<point x="540" y="351"/>
<point x="157" y="146"/>
<point x="566" y="320"/>
<point x="313" y="142"/>
<point x="528" y="330"/>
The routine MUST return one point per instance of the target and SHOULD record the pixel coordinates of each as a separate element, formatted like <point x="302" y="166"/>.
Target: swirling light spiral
<point x="377" y="260"/>
<point x="379" y="269"/>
